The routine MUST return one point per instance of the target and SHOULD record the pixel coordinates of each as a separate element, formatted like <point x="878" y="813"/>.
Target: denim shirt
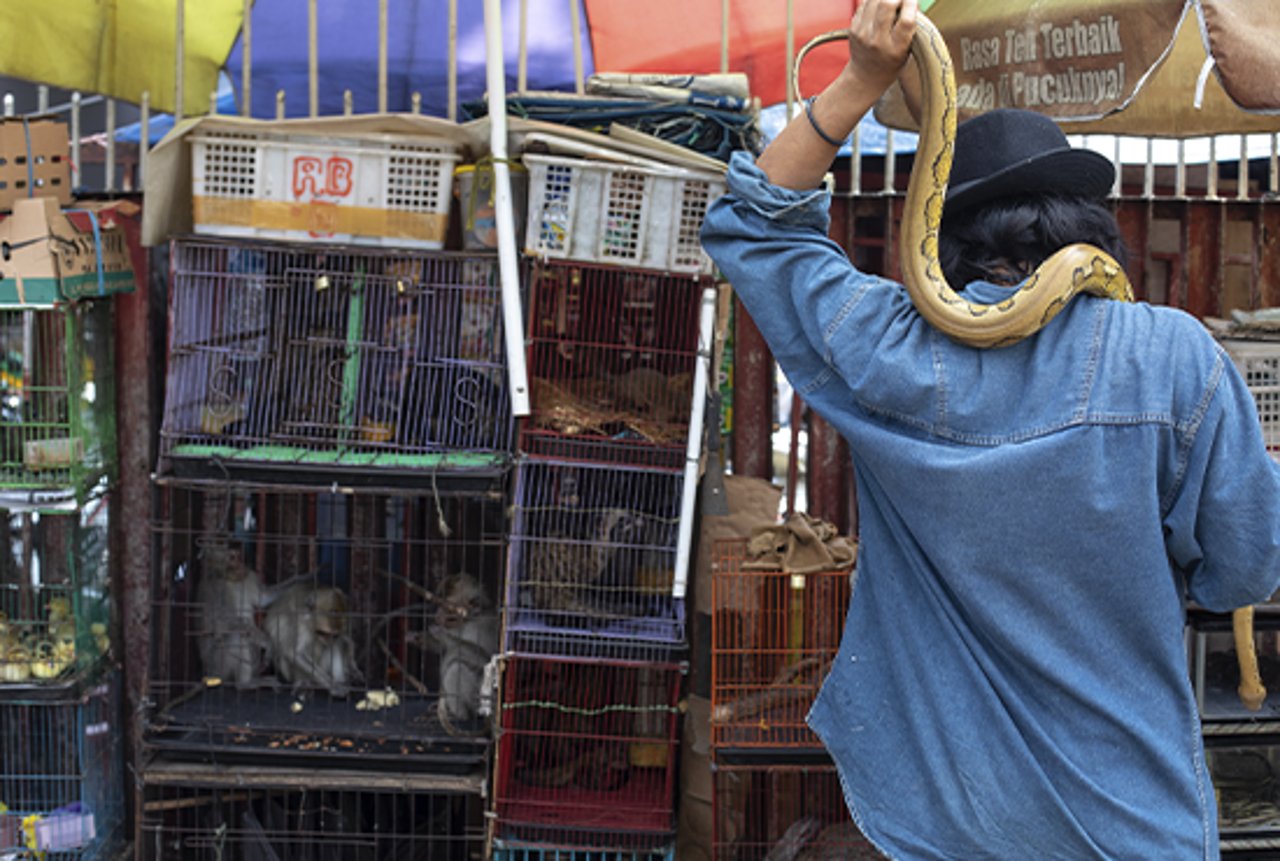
<point x="1012" y="681"/>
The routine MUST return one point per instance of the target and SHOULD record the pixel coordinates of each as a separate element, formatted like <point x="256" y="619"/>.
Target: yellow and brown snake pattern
<point x="1076" y="269"/>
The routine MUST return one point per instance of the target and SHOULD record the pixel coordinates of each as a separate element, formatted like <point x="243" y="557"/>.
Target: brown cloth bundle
<point x="801" y="544"/>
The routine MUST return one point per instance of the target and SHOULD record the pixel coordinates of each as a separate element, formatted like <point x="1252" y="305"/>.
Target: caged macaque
<point x="229" y="594"/>
<point x="465" y="632"/>
<point x="306" y="627"/>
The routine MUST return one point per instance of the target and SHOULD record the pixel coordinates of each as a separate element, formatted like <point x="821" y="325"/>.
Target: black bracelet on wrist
<point x="808" y="110"/>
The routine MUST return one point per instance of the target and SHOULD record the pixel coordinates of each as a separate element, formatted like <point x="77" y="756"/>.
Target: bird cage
<point x="54" y="597"/>
<point x="593" y="562"/>
<point x="783" y="811"/>
<point x="773" y="638"/>
<point x="587" y="754"/>
<point x="612" y="355"/>
<point x="303" y="625"/>
<point x="504" y="851"/>
<point x="57" y="400"/>
<point x="320" y="815"/>
<point x="334" y="358"/>
<point x="61" y="780"/>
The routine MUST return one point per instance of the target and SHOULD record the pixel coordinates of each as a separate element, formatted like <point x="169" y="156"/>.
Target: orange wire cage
<point x="767" y="812"/>
<point x="773" y="637"/>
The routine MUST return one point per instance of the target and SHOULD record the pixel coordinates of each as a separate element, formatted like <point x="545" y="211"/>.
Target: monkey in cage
<point x="230" y="594"/>
<point x="309" y="642"/>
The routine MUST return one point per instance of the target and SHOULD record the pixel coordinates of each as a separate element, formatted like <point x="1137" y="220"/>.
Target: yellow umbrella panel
<point x="119" y="48"/>
<point x="1130" y="67"/>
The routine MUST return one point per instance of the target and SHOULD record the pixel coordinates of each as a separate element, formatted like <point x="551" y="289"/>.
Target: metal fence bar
<point x="144" y="138"/>
<point x="76" y="177"/>
<point x="109" y="172"/>
<point x="1242" y="179"/>
<point x="522" y="63"/>
<point x="724" y="36"/>
<point x="452" y="111"/>
<point x="246" y="76"/>
<point x="1211" y="188"/>
<point x="382" y="56"/>
<point x="1180" y="173"/>
<point x="575" y="19"/>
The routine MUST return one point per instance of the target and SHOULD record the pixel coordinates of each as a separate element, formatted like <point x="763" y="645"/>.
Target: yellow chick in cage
<point x="60" y="621"/>
<point x="15" y="664"/>
<point x="101" y="638"/>
<point x="45" y="662"/>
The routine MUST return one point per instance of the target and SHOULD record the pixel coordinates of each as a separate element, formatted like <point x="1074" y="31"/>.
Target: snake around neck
<point x="1075" y="269"/>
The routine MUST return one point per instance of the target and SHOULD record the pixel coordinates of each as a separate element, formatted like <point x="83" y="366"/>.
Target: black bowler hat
<point x="1010" y="152"/>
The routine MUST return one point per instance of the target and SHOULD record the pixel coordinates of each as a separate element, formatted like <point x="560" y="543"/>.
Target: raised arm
<point x="881" y="33"/>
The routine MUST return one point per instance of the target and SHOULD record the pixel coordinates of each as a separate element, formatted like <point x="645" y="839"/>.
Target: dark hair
<point x="1017" y="234"/>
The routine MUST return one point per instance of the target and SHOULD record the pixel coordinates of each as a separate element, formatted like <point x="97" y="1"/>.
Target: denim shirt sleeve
<point x="799" y="286"/>
<point x="1221" y="529"/>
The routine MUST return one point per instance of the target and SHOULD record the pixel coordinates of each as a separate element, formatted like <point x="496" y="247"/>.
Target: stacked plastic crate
<point x="61" y="779"/>
<point x="774" y="635"/>
<point x="621" y="306"/>
<point x="335" y="458"/>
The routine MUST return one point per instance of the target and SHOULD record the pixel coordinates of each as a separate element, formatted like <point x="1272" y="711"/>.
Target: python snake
<point x="1078" y="268"/>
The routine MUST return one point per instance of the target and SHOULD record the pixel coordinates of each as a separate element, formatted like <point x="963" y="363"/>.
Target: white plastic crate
<point x="600" y="212"/>
<point x="377" y="189"/>
<point x="1259" y="364"/>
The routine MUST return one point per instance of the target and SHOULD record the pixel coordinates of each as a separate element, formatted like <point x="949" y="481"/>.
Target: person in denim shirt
<point x="1013" y="679"/>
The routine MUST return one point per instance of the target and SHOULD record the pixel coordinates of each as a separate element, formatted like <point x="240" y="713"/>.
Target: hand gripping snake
<point x="1078" y="268"/>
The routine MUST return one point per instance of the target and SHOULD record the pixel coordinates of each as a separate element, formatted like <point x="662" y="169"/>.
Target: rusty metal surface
<point x="752" y="437"/>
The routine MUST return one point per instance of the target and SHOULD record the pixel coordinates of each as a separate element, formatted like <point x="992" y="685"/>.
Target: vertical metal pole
<point x="1275" y="163"/>
<point x="724" y="38"/>
<point x="1149" y="171"/>
<point x="246" y="76"/>
<point x="508" y="264"/>
<point x="790" y="56"/>
<point x="348" y="103"/>
<point x="109" y="174"/>
<point x="855" y="162"/>
<point x="890" y="162"/>
<point x="522" y="63"/>
<point x="1212" y="189"/>
<point x="1242" y="170"/>
<point x="1180" y="174"/>
<point x="1118" y="188"/>
<point x="179" y="42"/>
<point x="452" y="112"/>
<point x="575" y="20"/>
<point x="76" y="179"/>
<point x="415" y="103"/>
<point x="42" y="99"/>
<point x="693" y="451"/>
<point x="382" y="56"/>
<point x="144" y="138"/>
<point x="313" y="57"/>
<point x="213" y="103"/>
<point x="279" y="104"/>
<point x="9" y="105"/>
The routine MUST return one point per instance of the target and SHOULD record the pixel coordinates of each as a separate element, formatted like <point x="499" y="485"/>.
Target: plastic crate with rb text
<point x="599" y="212"/>
<point x="376" y="189"/>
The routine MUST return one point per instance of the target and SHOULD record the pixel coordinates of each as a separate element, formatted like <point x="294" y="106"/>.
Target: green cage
<point x="54" y="596"/>
<point x="57" y="401"/>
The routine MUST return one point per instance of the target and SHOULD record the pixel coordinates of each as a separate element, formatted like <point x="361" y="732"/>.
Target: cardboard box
<point x="34" y="161"/>
<point x="48" y="255"/>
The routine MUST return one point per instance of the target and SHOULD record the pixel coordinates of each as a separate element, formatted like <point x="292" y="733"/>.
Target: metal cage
<point x="767" y="812"/>
<point x="61" y="781"/>
<point x="593" y="562"/>
<point x="54" y="598"/>
<point x="773" y="637"/>
<point x="334" y="358"/>
<point x="587" y="754"/>
<point x="504" y="851"/>
<point x="293" y="816"/>
<point x="57" y="400"/>
<point x="611" y="364"/>
<point x="296" y="625"/>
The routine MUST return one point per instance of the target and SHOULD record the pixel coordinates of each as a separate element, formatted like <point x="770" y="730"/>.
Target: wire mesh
<point x="768" y="812"/>
<point x="587" y="754"/>
<point x="773" y="637"/>
<point x="333" y="356"/>
<point x="318" y="823"/>
<point x="295" y="624"/>
<point x="57" y="401"/>
<point x="503" y="851"/>
<point x="60" y="772"/>
<point x="611" y="364"/>
<point x="593" y="554"/>
<point x="54" y="597"/>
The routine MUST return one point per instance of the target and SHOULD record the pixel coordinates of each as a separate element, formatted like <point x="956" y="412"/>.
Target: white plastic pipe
<point x="693" y="454"/>
<point x="508" y="271"/>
